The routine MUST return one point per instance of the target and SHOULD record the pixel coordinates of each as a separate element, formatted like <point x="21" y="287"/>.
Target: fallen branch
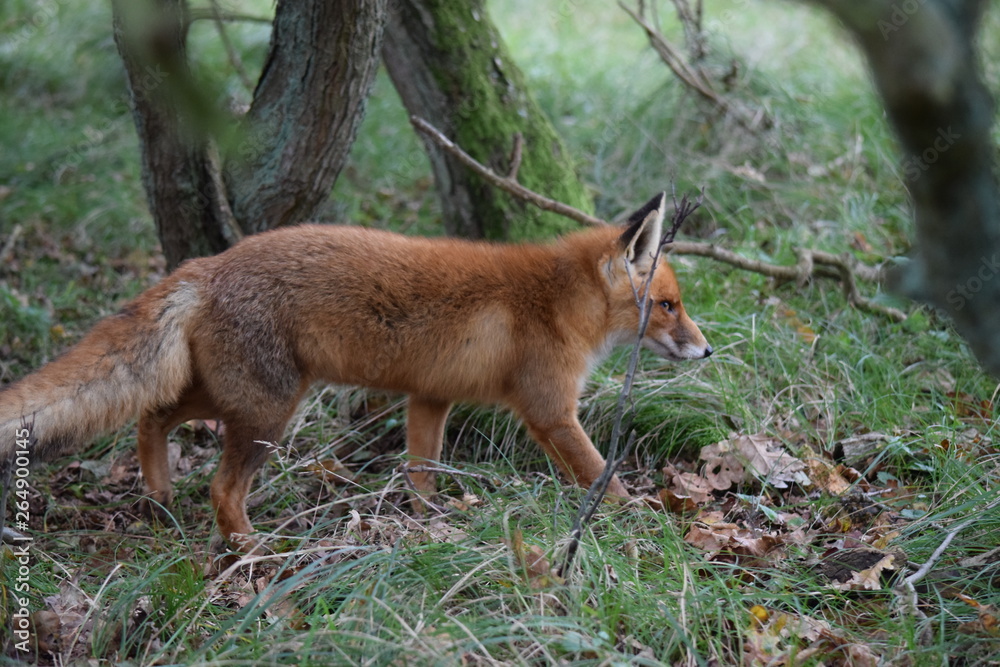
<point x="952" y="534"/>
<point x="231" y="53"/>
<point x="907" y="588"/>
<point x="811" y="264"/>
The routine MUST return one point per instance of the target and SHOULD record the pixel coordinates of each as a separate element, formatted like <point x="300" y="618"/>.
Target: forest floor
<point x="884" y="431"/>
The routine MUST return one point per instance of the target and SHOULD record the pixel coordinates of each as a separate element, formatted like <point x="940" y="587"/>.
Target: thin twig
<point x="907" y="588"/>
<point x="234" y="57"/>
<point x="450" y="471"/>
<point x="599" y="488"/>
<point x="694" y="77"/>
<point x="423" y="499"/>
<point x="230" y="226"/>
<point x="952" y="534"/>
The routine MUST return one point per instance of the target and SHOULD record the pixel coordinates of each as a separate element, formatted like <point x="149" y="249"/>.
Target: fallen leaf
<point x="731" y="539"/>
<point x="688" y="485"/>
<point x="827" y="477"/>
<point x="669" y="499"/>
<point x="858" y="568"/>
<point x="761" y="456"/>
<point x="986" y="622"/>
<point x="722" y="469"/>
<point x="780" y="638"/>
<point x="708" y="539"/>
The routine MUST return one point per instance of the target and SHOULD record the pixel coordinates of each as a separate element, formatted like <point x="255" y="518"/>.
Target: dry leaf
<point x="708" y="539"/>
<point x="827" y="477"/>
<point x="686" y="485"/>
<point x="677" y="504"/>
<point x="858" y="568"/>
<point x="466" y="503"/>
<point x="46" y="629"/>
<point x="762" y="456"/>
<point x="730" y="538"/>
<point x="985" y="624"/>
<point x="722" y="469"/>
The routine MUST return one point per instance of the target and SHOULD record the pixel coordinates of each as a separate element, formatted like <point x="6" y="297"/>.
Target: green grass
<point x="358" y="580"/>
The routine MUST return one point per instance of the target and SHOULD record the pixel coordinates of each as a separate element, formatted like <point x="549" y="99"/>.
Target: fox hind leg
<point x="154" y="427"/>
<point x="245" y="448"/>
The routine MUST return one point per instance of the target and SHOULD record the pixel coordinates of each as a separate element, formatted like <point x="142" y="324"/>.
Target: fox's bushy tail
<point x="132" y="361"/>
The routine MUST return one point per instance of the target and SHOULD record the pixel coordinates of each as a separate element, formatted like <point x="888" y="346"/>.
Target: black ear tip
<point x="652" y="205"/>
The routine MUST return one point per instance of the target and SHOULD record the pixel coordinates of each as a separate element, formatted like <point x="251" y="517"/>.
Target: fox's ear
<point x="641" y="239"/>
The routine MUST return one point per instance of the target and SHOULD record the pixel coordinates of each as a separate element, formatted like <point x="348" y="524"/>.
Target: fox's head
<point x="670" y="332"/>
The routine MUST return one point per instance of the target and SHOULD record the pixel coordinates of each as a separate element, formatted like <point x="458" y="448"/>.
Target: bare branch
<point x="229" y="226"/>
<point x="672" y="58"/>
<point x="694" y="76"/>
<point x="952" y="534"/>
<point x="199" y="14"/>
<point x="506" y="184"/>
<point x="234" y="57"/>
<point x="811" y="264"/>
<point x="599" y="488"/>
<point x="906" y="589"/>
<point x="682" y="211"/>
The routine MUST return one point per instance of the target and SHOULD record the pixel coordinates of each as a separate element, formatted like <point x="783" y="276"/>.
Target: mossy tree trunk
<point x="283" y="157"/>
<point x="450" y="67"/>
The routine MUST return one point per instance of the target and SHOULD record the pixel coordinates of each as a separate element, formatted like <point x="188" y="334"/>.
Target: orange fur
<point x="241" y="336"/>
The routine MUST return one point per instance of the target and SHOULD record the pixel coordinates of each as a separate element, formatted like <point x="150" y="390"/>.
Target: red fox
<point x="241" y="336"/>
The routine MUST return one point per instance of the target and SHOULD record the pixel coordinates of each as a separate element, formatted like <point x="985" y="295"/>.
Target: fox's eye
<point x="668" y="306"/>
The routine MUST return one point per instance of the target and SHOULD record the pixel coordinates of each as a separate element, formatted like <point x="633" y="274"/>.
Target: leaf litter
<point x="749" y="504"/>
<point x="746" y="502"/>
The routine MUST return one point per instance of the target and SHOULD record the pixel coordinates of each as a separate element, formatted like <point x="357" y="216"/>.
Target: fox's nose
<point x="708" y="352"/>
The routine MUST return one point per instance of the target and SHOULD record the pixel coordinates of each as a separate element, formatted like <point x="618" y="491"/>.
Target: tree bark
<point x="921" y="53"/>
<point x="175" y="170"/>
<point x="285" y="154"/>
<point x="450" y="67"/>
<point x="306" y="111"/>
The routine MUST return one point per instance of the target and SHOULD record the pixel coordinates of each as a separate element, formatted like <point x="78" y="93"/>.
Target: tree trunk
<point x="922" y="55"/>
<point x="450" y="67"/>
<point x="306" y="111"/>
<point x="175" y="170"/>
<point x="288" y="149"/>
